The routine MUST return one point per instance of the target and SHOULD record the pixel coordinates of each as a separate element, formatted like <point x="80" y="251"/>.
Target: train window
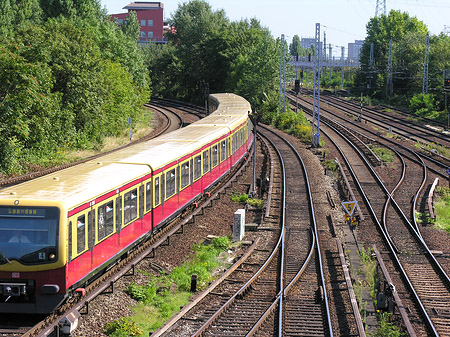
<point x="118" y="212"/>
<point x="223" y="150"/>
<point x="148" y="196"/>
<point x="156" y="191"/>
<point x="141" y="201"/>
<point x="197" y="167"/>
<point x="91" y="227"/>
<point x="170" y="183"/>
<point x="205" y="161"/>
<point x="81" y="233"/>
<point x="130" y="206"/>
<point x="185" y="174"/>
<point x="228" y="147"/>
<point x="215" y="155"/>
<point x="105" y="220"/>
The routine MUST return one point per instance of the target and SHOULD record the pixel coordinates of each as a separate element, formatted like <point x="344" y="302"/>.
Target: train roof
<point x="75" y="187"/>
<point x="87" y="181"/>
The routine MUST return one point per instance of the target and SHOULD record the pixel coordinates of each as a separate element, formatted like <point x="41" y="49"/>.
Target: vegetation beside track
<point x="442" y="208"/>
<point x="164" y="295"/>
<point x="70" y="78"/>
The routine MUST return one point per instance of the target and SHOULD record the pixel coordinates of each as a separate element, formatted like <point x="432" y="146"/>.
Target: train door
<point x="79" y="253"/>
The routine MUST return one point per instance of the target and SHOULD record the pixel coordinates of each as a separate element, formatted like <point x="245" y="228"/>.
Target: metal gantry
<point x="380" y="8"/>
<point x="282" y="76"/>
<point x="342" y="69"/>
<point x="425" y="67"/>
<point x="389" y="75"/>
<point x="316" y="95"/>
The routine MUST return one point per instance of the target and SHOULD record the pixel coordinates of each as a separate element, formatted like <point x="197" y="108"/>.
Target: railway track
<point x="424" y="279"/>
<point x="436" y="163"/>
<point x="279" y="290"/>
<point x="168" y="120"/>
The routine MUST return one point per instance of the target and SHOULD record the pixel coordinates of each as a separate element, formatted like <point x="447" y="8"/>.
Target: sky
<point x="343" y="20"/>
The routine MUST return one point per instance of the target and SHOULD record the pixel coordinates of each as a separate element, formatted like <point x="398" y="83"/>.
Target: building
<point x="354" y="49"/>
<point x="307" y="42"/>
<point x="150" y="17"/>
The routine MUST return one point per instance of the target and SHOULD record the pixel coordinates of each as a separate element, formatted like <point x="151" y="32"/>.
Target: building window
<point x="143" y="22"/>
<point x="120" y="21"/>
<point x="150" y="23"/>
<point x="143" y="35"/>
<point x="150" y="35"/>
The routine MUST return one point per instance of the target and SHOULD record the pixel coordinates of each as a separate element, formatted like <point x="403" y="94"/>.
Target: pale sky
<point x="343" y="20"/>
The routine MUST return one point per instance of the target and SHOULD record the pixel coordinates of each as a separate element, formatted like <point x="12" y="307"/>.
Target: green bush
<point x="422" y="104"/>
<point x="122" y="327"/>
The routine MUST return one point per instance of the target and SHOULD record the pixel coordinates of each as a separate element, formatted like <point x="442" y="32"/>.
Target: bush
<point x="122" y="327"/>
<point x="422" y="104"/>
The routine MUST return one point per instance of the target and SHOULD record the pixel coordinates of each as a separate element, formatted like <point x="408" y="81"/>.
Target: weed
<point x="123" y="327"/>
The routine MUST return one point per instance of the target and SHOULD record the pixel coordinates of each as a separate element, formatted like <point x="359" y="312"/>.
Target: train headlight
<point x="52" y="256"/>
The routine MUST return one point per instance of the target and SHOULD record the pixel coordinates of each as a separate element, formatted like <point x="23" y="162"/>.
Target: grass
<point x="385" y="155"/>
<point x="442" y="150"/>
<point x="370" y="269"/>
<point x="386" y="328"/>
<point x="164" y="295"/>
<point x="330" y="164"/>
<point x="111" y="143"/>
<point x="244" y="198"/>
<point x="442" y="208"/>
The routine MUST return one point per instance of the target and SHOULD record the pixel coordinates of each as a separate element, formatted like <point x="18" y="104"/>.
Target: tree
<point x="379" y="31"/>
<point x="254" y="73"/>
<point x="294" y="47"/>
<point x="199" y="46"/>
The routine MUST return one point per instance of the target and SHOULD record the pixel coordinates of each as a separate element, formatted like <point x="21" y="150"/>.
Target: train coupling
<point x="9" y="290"/>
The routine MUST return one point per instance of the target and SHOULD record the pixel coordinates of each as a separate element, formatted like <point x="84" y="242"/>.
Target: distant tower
<point x="381" y="8"/>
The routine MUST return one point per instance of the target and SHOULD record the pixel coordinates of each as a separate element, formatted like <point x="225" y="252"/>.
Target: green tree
<point x="294" y="47"/>
<point x="30" y="114"/>
<point x="255" y="70"/>
<point x="6" y="19"/>
<point x="198" y="34"/>
<point x="380" y="30"/>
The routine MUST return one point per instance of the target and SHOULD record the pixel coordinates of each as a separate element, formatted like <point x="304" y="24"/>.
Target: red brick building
<point x="150" y="17"/>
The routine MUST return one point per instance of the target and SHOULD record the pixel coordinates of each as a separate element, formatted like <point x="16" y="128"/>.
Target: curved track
<point x="425" y="280"/>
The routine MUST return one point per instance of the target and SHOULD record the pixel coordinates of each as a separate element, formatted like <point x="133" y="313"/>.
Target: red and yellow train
<point x="59" y="231"/>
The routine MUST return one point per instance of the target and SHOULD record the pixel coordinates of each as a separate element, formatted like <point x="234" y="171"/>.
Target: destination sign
<point x="22" y="212"/>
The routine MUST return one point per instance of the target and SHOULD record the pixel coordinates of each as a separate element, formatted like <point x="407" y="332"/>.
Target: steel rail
<point x="436" y="162"/>
<point x="315" y="239"/>
<point x="385" y="236"/>
<point x="247" y="285"/>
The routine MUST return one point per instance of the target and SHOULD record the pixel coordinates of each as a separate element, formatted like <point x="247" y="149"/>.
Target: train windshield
<point x="28" y="234"/>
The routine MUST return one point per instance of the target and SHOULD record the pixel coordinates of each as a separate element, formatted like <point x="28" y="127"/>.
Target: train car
<point x="59" y="231"/>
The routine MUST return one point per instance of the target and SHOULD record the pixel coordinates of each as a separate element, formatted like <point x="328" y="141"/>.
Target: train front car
<point x="32" y="257"/>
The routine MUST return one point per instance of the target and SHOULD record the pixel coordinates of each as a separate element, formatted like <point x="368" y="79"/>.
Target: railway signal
<point x="297" y="86"/>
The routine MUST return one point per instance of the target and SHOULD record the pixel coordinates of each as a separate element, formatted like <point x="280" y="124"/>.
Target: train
<point x="60" y="231"/>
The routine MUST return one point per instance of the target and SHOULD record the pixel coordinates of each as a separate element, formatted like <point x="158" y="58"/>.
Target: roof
<point x="79" y="184"/>
<point x="144" y="5"/>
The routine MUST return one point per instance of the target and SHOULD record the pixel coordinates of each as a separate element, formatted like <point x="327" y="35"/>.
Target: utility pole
<point x="316" y="95"/>
<point x="282" y="77"/>
<point x="425" y="67"/>
<point x="380" y="8"/>
<point x="389" y="75"/>
<point x="324" y="56"/>
<point x="329" y="59"/>
<point x="371" y="66"/>
<point x="342" y="68"/>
